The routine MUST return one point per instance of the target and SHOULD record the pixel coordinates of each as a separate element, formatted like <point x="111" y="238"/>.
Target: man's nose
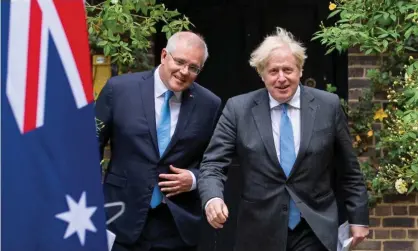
<point x="184" y="70"/>
<point x="281" y="77"/>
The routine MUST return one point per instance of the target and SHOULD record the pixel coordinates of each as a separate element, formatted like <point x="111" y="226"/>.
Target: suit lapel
<point x="307" y="114"/>
<point x="188" y="102"/>
<point x="148" y="104"/>
<point x="262" y="119"/>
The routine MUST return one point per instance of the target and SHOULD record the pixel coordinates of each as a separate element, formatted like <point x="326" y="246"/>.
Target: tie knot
<point x="167" y="95"/>
<point x="284" y="108"/>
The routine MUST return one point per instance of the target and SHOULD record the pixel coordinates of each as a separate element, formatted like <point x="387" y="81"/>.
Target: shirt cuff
<point x="209" y="201"/>
<point x="357" y="225"/>
<point x="194" y="181"/>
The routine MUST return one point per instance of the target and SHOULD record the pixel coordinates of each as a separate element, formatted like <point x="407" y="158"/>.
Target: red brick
<point x="359" y="83"/>
<point x="381" y="234"/>
<point x="413" y="234"/>
<point x="374" y="222"/>
<point x="398" y="234"/>
<point x="400" y="210"/>
<point x="397" y="198"/>
<point x="354" y="50"/>
<point x="371" y="152"/>
<point x="376" y="126"/>
<point x="413" y="210"/>
<point x="398" y="246"/>
<point x="383" y="210"/>
<point x="371" y="211"/>
<point x="398" y="222"/>
<point x="355" y="93"/>
<point x="369" y="245"/>
<point x="381" y="95"/>
<point x="370" y="235"/>
<point x="355" y="72"/>
<point x="363" y="60"/>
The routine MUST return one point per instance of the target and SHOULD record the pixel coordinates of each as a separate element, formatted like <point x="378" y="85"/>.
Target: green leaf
<point x="410" y="48"/>
<point x="330" y="50"/>
<point x="383" y="35"/>
<point x="393" y="17"/>
<point x="385" y="44"/>
<point x="106" y="50"/>
<point x="408" y="32"/>
<point x="102" y="43"/>
<point x="412" y="188"/>
<point x="334" y="13"/>
<point x="414" y="168"/>
<point x="168" y="34"/>
<point x="410" y="16"/>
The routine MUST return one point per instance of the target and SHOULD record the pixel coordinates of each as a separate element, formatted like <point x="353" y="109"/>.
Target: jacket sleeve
<point x="350" y="178"/>
<point x="218" y="156"/>
<point x="194" y="168"/>
<point x="103" y="109"/>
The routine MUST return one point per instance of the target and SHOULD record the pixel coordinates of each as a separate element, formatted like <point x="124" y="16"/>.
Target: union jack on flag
<point x="51" y="197"/>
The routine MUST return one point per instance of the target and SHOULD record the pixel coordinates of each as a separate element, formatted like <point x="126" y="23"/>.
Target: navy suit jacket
<point x="125" y="113"/>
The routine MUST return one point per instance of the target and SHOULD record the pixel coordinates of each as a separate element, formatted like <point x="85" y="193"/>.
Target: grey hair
<point x="280" y="39"/>
<point x="174" y="39"/>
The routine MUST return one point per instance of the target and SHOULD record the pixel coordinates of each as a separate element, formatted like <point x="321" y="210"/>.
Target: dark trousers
<point x="159" y="234"/>
<point x="302" y="238"/>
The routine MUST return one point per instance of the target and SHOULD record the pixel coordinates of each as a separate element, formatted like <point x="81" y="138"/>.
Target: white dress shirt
<point x="175" y="103"/>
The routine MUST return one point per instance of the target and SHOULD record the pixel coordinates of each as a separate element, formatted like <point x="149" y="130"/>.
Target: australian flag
<point x="51" y="196"/>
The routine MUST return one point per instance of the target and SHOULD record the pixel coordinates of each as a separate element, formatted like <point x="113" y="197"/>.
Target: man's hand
<point x="359" y="233"/>
<point x="216" y="213"/>
<point x="180" y="181"/>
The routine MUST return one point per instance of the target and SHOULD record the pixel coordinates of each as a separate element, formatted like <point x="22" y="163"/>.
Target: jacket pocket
<point x="116" y="180"/>
<point x="324" y="197"/>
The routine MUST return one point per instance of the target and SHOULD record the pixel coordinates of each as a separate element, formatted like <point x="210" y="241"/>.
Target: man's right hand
<point x="216" y="213"/>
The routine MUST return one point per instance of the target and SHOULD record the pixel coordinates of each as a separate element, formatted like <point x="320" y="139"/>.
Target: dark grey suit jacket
<point x="245" y="130"/>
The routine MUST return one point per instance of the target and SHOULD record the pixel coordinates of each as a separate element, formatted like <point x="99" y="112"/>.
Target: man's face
<point x="180" y="68"/>
<point x="281" y="75"/>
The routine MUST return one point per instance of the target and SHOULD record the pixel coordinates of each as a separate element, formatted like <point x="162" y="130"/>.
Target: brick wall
<point x="394" y="224"/>
<point x="394" y="220"/>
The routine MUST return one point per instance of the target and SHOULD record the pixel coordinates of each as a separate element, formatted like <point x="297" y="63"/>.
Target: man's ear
<point x="163" y="55"/>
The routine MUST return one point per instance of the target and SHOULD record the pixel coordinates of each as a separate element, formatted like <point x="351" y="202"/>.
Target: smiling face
<point x="281" y="74"/>
<point x="178" y="68"/>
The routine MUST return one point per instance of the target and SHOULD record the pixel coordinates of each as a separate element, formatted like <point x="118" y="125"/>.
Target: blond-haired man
<point x="285" y="137"/>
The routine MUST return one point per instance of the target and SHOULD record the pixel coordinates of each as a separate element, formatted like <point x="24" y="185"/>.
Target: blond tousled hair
<point x="280" y="39"/>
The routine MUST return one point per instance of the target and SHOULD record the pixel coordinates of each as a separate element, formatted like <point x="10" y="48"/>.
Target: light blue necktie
<point x="163" y="136"/>
<point x="287" y="159"/>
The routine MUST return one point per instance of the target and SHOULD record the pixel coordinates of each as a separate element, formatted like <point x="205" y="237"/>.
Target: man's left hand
<point x="359" y="233"/>
<point x="179" y="182"/>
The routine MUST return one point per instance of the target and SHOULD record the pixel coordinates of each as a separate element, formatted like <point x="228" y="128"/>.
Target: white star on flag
<point x="78" y="218"/>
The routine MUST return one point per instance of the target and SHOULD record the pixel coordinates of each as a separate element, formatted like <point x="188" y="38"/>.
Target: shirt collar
<point x="294" y="102"/>
<point x="160" y="88"/>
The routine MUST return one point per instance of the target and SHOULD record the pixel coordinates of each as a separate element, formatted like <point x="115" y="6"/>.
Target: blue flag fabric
<point x="51" y="193"/>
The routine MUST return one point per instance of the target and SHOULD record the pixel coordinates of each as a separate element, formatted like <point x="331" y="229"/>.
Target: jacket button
<point x="284" y="208"/>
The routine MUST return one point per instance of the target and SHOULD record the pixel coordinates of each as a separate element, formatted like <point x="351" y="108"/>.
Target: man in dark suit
<point x="159" y="124"/>
<point x="285" y="137"/>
